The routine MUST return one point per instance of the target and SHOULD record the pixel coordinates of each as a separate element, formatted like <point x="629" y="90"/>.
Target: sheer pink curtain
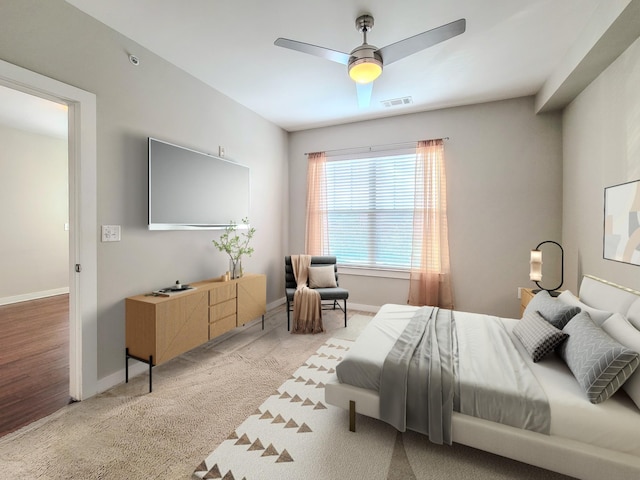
<point x="316" y="240"/>
<point x="430" y="279"/>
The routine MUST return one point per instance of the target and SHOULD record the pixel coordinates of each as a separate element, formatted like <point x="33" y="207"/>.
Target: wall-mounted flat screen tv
<point x="190" y="190"/>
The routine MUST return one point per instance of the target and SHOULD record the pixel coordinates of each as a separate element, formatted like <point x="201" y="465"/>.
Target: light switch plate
<point x="110" y="233"/>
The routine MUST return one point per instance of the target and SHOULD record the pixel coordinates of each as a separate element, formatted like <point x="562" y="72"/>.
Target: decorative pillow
<point x="621" y="330"/>
<point x="537" y="335"/>
<point x="598" y="316"/>
<point x="633" y="314"/>
<point x="600" y="364"/>
<point x="322" y="277"/>
<point x="554" y="311"/>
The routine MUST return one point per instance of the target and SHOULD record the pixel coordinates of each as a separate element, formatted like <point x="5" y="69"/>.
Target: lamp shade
<point x="365" y="70"/>
<point x="535" y="267"/>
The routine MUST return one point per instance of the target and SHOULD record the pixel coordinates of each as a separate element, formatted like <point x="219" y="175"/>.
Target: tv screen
<point x="190" y="190"/>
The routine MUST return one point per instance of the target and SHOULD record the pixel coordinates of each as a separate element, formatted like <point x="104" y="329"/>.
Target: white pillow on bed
<point x="596" y="315"/>
<point x="600" y="364"/>
<point x="633" y="314"/>
<point x="621" y="330"/>
<point x="322" y="277"/>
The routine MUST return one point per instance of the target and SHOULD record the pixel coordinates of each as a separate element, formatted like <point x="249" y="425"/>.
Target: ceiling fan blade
<point x="333" y="55"/>
<point x="408" y="46"/>
<point x="364" y="94"/>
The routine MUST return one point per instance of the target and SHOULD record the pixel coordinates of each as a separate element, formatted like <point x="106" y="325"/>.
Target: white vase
<point x="235" y="268"/>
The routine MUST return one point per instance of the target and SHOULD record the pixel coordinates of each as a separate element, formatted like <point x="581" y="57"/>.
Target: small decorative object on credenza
<point x="236" y="245"/>
<point x="177" y="288"/>
<point x="535" y="271"/>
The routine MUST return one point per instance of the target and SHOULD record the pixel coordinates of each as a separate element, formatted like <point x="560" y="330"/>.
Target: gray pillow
<point x="622" y="331"/>
<point x="554" y="311"/>
<point x="537" y="335"/>
<point x="600" y="364"/>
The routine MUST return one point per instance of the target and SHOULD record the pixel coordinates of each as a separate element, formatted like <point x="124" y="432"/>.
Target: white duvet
<point x="613" y="424"/>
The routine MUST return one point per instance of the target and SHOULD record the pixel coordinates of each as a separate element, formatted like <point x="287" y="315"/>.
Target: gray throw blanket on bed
<point x="440" y="364"/>
<point x="417" y="381"/>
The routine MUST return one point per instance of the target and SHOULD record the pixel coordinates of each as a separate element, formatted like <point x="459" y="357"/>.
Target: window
<point x="369" y="210"/>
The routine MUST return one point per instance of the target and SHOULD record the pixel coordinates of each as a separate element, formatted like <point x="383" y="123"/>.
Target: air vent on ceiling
<point x="397" y="101"/>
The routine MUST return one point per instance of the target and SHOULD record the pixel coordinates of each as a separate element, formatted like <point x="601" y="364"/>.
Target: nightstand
<point x="526" y="294"/>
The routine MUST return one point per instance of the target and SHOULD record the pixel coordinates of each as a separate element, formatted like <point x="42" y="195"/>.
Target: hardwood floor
<point x="34" y="360"/>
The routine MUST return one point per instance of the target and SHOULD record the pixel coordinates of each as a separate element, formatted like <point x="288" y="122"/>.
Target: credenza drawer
<point x="222" y="325"/>
<point x="223" y="309"/>
<point x="222" y="293"/>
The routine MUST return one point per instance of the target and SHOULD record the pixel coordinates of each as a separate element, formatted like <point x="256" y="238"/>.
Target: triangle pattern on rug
<point x="288" y="415"/>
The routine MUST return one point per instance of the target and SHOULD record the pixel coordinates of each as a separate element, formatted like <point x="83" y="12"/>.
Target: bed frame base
<point x="557" y="454"/>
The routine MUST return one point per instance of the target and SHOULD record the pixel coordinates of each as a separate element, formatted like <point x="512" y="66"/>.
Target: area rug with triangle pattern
<point x="294" y="434"/>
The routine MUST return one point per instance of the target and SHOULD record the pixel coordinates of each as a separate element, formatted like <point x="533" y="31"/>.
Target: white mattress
<point x="613" y="424"/>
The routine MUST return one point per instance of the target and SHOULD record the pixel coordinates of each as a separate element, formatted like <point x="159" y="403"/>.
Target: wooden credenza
<point x="160" y="328"/>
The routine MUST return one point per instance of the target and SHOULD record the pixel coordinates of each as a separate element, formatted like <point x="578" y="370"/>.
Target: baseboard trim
<point x="25" y="297"/>
<point x="363" y="308"/>
<point x="135" y="368"/>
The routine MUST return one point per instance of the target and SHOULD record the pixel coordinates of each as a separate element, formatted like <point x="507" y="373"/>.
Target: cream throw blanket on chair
<point x="307" y="305"/>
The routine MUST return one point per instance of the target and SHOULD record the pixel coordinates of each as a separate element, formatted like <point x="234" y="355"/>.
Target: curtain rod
<point x="378" y="147"/>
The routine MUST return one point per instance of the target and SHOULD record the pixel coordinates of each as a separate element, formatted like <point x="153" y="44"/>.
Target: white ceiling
<point x="509" y="49"/>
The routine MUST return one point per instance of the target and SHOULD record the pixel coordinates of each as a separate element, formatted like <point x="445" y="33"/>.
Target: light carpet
<point x="295" y="435"/>
<point x="200" y="397"/>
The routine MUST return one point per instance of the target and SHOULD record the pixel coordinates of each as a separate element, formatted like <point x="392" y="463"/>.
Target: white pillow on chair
<point x="322" y="277"/>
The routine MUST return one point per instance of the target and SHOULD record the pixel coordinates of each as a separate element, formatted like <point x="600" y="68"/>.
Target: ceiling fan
<point x="366" y="61"/>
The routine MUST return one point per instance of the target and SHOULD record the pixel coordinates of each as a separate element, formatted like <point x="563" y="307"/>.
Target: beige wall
<point x="34" y="251"/>
<point x="154" y="99"/>
<point x="504" y="168"/>
<point x="601" y="148"/>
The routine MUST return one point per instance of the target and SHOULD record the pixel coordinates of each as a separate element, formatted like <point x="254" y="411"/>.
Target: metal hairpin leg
<point x="149" y="362"/>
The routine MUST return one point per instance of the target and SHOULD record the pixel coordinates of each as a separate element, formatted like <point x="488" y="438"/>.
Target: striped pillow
<point x="537" y="335"/>
<point x="622" y="331"/>
<point x="600" y="364"/>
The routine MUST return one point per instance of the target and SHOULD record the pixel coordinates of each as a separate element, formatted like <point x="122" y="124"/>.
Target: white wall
<point x="504" y="171"/>
<point x="34" y="246"/>
<point x="601" y="148"/>
<point x="154" y="99"/>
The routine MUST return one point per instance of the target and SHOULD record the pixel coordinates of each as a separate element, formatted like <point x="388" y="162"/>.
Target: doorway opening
<point x="34" y="254"/>
<point x="82" y="233"/>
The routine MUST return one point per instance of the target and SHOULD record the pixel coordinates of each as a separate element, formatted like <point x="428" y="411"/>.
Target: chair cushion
<point x="337" y="293"/>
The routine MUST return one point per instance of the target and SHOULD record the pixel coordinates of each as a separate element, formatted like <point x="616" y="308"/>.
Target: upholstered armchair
<point x="329" y="295"/>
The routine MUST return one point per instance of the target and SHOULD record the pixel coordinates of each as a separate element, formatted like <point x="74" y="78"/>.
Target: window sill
<point x="373" y="272"/>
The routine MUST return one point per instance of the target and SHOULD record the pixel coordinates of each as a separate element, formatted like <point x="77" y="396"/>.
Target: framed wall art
<point x="621" y="241"/>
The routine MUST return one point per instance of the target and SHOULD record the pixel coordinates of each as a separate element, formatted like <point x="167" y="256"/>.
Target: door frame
<point x="83" y="232"/>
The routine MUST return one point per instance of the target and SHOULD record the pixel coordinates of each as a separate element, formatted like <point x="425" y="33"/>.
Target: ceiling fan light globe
<point x="365" y="70"/>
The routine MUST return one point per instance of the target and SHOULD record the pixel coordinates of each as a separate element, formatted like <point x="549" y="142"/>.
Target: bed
<point x="585" y="437"/>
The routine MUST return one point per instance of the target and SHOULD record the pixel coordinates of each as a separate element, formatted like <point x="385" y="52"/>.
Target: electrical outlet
<point x="519" y="293"/>
<point x="220" y="151"/>
<point x="110" y="233"/>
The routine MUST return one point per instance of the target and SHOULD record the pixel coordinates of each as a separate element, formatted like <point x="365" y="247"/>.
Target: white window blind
<point x="370" y="204"/>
